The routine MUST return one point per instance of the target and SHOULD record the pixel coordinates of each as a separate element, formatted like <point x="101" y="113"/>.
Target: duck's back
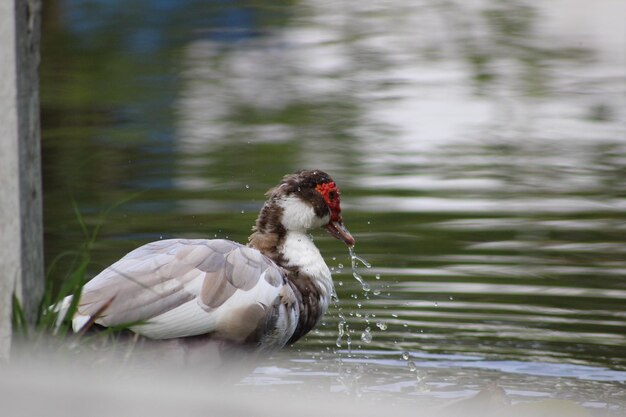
<point x="177" y="288"/>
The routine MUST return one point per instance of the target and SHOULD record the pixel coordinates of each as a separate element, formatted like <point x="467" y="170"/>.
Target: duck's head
<point x="310" y="199"/>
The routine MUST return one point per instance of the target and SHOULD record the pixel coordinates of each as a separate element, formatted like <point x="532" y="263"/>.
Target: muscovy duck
<point x="262" y="296"/>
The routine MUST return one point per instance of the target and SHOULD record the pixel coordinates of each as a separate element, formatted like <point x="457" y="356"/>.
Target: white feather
<point x="192" y="318"/>
<point x="299" y="215"/>
<point x="299" y="250"/>
<point x="185" y="320"/>
<point x="285" y="326"/>
<point x="79" y="321"/>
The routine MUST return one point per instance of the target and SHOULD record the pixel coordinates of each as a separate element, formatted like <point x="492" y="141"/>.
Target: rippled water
<point x="480" y="148"/>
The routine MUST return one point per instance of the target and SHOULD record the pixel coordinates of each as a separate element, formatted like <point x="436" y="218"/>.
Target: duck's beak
<point x="339" y="231"/>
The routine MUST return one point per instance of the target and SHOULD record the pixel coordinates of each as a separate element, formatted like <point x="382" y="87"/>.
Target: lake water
<point x="480" y="148"/>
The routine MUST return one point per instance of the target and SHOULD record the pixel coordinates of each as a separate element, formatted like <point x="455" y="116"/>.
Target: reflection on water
<point x="480" y="147"/>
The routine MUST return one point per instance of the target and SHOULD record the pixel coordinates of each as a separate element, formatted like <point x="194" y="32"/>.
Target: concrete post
<point x="21" y="228"/>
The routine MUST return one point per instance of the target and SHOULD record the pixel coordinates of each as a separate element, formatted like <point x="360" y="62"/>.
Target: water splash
<point x="354" y="258"/>
<point x="364" y="285"/>
<point x="420" y="378"/>
<point x="341" y="329"/>
<point x="349" y="376"/>
<point x="366" y="336"/>
<point x="348" y="341"/>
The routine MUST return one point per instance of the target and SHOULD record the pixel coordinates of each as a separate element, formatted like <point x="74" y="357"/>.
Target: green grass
<point x="60" y="284"/>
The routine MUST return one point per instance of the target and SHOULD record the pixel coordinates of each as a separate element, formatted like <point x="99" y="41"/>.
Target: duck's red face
<point x="335" y="227"/>
<point x="330" y="192"/>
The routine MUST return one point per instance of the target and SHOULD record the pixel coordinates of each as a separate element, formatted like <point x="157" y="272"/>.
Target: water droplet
<point x="436" y="304"/>
<point x="340" y="266"/>
<point x="242" y="212"/>
<point x="406" y="355"/>
<point x="364" y="285"/>
<point x="377" y="276"/>
<point x="381" y="325"/>
<point x="451" y="298"/>
<point x="340" y="330"/>
<point x="354" y="257"/>
<point x="376" y="292"/>
<point x="394" y="315"/>
<point x="366" y="336"/>
<point x="247" y="186"/>
<point x="334" y="258"/>
<point x="340" y="333"/>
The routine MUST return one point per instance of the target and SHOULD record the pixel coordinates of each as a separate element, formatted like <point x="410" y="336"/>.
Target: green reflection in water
<point x="525" y="208"/>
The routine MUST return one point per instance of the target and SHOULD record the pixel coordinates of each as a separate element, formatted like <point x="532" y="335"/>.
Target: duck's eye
<point x="328" y="190"/>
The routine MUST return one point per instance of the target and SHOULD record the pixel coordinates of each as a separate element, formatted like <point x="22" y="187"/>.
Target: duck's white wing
<point x="180" y="288"/>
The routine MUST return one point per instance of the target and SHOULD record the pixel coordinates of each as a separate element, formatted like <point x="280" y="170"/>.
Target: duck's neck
<point x="309" y="279"/>
<point x="300" y="254"/>
<point x="293" y="250"/>
<point x="307" y="273"/>
<point x="268" y="232"/>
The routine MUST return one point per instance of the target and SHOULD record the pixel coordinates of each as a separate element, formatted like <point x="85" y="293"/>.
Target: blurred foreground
<point x="116" y="383"/>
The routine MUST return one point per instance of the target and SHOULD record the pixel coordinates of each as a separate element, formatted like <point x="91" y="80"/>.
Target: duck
<point x="260" y="296"/>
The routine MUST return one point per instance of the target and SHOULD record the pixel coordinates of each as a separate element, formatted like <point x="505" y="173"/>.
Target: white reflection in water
<point x="565" y="205"/>
<point x="522" y="223"/>
<point x="485" y="288"/>
<point x="412" y="85"/>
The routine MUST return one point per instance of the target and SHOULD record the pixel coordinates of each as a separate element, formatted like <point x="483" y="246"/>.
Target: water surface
<point x="480" y="148"/>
